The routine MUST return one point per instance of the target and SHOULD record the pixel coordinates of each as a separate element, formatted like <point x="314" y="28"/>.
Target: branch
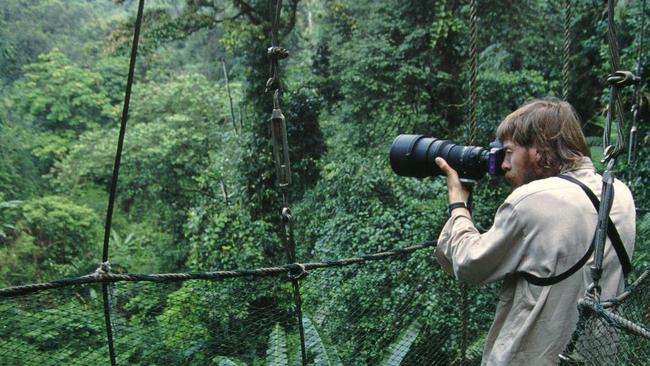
<point x="249" y="11"/>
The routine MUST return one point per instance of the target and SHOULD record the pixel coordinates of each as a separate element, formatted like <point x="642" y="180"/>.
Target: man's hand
<point x="457" y="193"/>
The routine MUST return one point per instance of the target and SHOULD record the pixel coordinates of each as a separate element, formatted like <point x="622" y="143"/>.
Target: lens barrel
<point x="413" y="156"/>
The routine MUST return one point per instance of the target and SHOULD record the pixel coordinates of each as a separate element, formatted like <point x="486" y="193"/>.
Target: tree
<point x="60" y="100"/>
<point x="53" y="237"/>
<point x="29" y="29"/>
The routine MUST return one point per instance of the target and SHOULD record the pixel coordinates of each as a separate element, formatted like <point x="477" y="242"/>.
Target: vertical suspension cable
<point x="615" y="101"/>
<point x="638" y="102"/>
<point x="283" y="168"/>
<point x="473" y="86"/>
<point x="617" y="79"/>
<point x="473" y="129"/>
<point x="566" y="54"/>
<point x="105" y="267"/>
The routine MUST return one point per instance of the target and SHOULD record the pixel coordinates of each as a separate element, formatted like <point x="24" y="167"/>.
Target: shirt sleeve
<point x="477" y="258"/>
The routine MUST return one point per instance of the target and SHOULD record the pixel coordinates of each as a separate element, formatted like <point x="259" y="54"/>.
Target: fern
<point x="474" y="352"/>
<point x="399" y="349"/>
<point x="223" y="361"/>
<point x="276" y="354"/>
<point x="315" y="345"/>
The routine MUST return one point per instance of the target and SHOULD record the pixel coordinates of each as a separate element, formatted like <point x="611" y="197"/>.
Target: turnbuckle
<point x="280" y="145"/>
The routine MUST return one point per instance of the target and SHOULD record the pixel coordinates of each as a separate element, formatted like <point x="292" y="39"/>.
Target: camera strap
<point x="612" y="233"/>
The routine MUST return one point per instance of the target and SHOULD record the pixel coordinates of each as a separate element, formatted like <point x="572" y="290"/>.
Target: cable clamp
<point x="277" y="53"/>
<point x="623" y="78"/>
<point x="103" y="269"/>
<point x="297" y="273"/>
<point x="270" y="84"/>
<point x="593" y="293"/>
<point x="286" y="214"/>
<point x="608" y="153"/>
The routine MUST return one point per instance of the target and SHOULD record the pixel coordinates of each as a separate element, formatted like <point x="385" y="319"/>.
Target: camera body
<point x="414" y="155"/>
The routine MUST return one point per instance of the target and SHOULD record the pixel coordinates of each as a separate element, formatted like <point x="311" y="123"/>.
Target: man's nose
<point x="505" y="165"/>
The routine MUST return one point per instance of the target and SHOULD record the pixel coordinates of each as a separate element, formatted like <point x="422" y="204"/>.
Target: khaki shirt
<point x="543" y="228"/>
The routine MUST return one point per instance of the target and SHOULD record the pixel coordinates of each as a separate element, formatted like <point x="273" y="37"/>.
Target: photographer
<point x="544" y="228"/>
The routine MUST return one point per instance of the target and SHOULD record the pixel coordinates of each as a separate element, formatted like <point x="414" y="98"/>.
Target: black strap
<point x="455" y="205"/>
<point x="611" y="232"/>
<point x="611" y="228"/>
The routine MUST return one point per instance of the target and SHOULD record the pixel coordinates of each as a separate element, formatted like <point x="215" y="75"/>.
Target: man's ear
<point x="536" y="156"/>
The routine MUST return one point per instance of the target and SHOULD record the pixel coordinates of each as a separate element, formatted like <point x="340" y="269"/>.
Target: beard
<point x="525" y="176"/>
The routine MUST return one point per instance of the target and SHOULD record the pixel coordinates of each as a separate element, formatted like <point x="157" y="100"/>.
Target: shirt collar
<point x="583" y="163"/>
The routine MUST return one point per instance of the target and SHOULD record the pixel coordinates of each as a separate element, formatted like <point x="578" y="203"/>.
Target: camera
<point x="413" y="156"/>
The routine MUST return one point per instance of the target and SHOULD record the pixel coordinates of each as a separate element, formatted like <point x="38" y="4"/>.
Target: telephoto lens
<point x="414" y="155"/>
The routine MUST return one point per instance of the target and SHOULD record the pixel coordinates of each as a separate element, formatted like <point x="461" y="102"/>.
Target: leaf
<point x="10" y="204"/>
<point x="314" y="343"/>
<point x="276" y="354"/>
<point x="223" y="361"/>
<point x="399" y="349"/>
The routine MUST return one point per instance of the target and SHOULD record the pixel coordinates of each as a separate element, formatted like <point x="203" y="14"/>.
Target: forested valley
<point x="197" y="185"/>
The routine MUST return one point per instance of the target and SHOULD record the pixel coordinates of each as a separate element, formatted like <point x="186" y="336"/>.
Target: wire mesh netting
<point x="392" y="312"/>
<point x="54" y="327"/>
<point x="614" y="332"/>
<point x="402" y="311"/>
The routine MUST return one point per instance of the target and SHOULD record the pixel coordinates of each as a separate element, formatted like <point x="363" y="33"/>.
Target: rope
<point x="566" y="49"/>
<point x="629" y="290"/>
<point x="616" y="319"/>
<point x="287" y="269"/>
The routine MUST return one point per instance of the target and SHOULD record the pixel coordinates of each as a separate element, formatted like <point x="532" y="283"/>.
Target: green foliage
<point x="195" y="194"/>
<point x="642" y="251"/>
<point x="53" y="237"/>
<point x="276" y="354"/>
<point x="501" y="92"/>
<point x="315" y="345"/>
<point x="74" y="331"/>
<point x="224" y="239"/>
<point x="406" y="77"/>
<point x="28" y="29"/>
<point x="59" y="96"/>
<point x="399" y="349"/>
<point x="59" y="100"/>
<point x="7" y="218"/>
<point x="18" y="176"/>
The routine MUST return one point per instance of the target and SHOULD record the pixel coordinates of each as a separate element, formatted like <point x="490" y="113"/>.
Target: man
<point x="543" y="228"/>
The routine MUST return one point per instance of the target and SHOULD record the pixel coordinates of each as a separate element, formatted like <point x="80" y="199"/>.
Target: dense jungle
<point x="197" y="186"/>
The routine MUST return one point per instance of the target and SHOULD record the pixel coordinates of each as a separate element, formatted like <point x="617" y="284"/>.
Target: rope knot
<point x="277" y="53"/>
<point x="297" y="271"/>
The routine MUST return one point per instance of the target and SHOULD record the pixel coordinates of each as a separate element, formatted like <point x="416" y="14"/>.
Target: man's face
<point x="521" y="164"/>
